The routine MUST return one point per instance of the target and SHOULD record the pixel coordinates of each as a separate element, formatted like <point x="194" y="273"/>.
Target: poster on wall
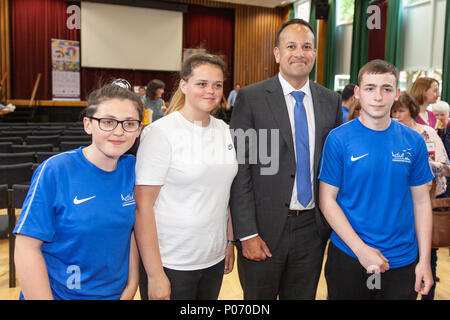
<point x="187" y="52"/>
<point x="65" y="69"/>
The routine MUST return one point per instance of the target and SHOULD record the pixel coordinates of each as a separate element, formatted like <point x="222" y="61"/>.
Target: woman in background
<point x="405" y="109"/>
<point x="426" y="91"/>
<point x="153" y="99"/>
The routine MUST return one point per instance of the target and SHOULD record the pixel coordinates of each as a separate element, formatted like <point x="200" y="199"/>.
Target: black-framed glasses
<point x="108" y="124"/>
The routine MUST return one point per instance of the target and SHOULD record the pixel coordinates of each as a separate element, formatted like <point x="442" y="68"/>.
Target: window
<point x="407" y="78"/>
<point x="345" y="11"/>
<point x="411" y="2"/>
<point x="302" y="9"/>
<point x="340" y="81"/>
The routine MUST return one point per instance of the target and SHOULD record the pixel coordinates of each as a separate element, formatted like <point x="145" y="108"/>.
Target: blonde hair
<point x="178" y="99"/>
<point x="441" y="106"/>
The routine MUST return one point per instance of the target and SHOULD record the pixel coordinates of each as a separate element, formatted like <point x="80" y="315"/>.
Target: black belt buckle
<point x="295" y="213"/>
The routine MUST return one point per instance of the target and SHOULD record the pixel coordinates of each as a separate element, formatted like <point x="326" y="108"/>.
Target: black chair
<point x="33" y="140"/>
<point x="70" y="145"/>
<point x="23" y="128"/>
<point x="15" y="133"/>
<point x="14" y="140"/>
<point x="52" y="127"/>
<point x="34" y="167"/>
<point x="40" y="132"/>
<point x="75" y="138"/>
<point x="15" y="158"/>
<point x="42" y="156"/>
<point x="74" y="132"/>
<point x="6" y="147"/>
<point x="19" y="193"/>
<point x="31" y="148"/>
<point x="16" y="173"/>
<point x="6" y="226"/>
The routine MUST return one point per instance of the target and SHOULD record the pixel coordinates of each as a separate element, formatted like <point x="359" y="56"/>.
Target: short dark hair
<point x="407" y="101"/>
<point x="348" y="92"/>
<point x="293" y="21"/>
<point x="378" y="66"/>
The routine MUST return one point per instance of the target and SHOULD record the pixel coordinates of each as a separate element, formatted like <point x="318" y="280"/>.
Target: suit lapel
<point x="318" y="121"/>
<point x="277" y="103"/>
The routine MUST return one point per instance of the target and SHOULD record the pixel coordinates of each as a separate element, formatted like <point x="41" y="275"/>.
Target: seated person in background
<point x="348" y="98"/>
<point x="441" y="110"/>
<point x="74" y="237"/>
<point x="153" y="98"/>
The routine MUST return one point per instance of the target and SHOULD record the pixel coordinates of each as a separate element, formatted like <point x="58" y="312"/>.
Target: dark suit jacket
<point x="260" y="203"/>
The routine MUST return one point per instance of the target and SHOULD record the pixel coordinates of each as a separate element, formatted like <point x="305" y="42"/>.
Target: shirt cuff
<point x="248" y="237"/>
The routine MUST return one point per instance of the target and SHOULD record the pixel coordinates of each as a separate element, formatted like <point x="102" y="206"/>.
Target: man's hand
<point x="424" y="278"/>
<point x="372" y="260"/>
<point x="255" y="249"/>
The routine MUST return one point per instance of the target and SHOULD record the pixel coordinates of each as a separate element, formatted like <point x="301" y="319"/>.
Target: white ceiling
<point x="261" y="3"/>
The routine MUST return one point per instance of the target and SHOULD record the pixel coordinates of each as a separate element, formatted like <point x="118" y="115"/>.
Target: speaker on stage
<point x="322" y="8"/>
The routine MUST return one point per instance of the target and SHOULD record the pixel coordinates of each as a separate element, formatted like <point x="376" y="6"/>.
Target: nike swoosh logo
<point x="357" y="158"/>
<point x="76" y="201"/>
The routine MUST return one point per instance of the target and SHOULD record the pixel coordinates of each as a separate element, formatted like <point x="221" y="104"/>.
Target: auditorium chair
<point x="76" y="138"/>
<point x="15" y="158"/>
<point x="16" y="148"/>
<point x="16" y="173"/>
<point x="33" y="140"/>
<point x="15" y="133"/>
<point x="70" y="145"/>
<point x="14" y="140"/>
<point x="5" y="147"/>
<point x="19" y="193"/>
<point x="42" y="156"/>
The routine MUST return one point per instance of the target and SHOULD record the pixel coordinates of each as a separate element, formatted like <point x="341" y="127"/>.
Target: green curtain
<point x="313" y="23"/>
<point x="446" y="63"/>
<point x="393" y="51"/>
<point x="330" y="48"/>
<point x="360" y="39"/>
<point x="291" y="12"/>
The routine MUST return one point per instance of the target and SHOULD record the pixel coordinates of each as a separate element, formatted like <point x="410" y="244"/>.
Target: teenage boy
<point x="374" y="194"/>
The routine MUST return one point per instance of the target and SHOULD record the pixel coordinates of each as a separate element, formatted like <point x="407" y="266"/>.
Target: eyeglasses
<point x="107" y="124"/>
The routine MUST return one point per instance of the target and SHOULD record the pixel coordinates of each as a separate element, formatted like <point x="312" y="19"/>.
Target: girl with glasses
<point x="74" y="237"/>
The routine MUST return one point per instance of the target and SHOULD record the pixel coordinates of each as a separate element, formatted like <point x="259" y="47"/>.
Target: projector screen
<point x="123" y="37"/>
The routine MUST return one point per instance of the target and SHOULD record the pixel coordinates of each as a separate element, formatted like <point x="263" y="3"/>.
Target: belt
<point x="298" y="212"/>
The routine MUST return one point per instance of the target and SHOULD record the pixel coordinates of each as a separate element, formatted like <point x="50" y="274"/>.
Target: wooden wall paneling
<point x="5" y="66"/>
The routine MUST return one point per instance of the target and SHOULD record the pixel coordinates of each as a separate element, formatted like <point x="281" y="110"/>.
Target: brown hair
<point x="152" y="86"/>
<point x="178" y="99"/>
<point x="377" y="67"/>
<point x="419" y="87"/>
<point x="109" y="92"/>
<point x="407" y="101"/>
<point x="354" y="111"/>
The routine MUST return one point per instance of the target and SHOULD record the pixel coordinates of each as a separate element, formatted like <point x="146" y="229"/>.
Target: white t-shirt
<point x="195" y="166"/>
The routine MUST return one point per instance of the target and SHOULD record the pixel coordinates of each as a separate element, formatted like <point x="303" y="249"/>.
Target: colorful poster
<point x="66" y="69"/>
<point x="189" y="52"/>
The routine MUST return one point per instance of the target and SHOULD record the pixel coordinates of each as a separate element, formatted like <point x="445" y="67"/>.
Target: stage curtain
<point x="33" y="24"/>
<point x="394" y="40"/>
<point x="313" y="23"/>
<point x="330" y="50"/>
<point x="446" y="63"/>
<point x="211" y="29"/>
<point x="360" y="39"/>
<point x="377" y="37"/>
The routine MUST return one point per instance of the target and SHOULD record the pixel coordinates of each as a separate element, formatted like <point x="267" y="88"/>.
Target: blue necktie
<point x="304" y="193"/>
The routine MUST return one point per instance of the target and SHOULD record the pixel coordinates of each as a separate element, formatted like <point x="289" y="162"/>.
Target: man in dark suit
<point x="274" y="204"/>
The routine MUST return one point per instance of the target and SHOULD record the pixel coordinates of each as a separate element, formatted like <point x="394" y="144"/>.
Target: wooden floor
<point x="231" y="288"/>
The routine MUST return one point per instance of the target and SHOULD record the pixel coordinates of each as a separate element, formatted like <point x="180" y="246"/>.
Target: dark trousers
<point x="293" y="272"/>
<point x="348" y="280"/>
<point x="203" y="284"/>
